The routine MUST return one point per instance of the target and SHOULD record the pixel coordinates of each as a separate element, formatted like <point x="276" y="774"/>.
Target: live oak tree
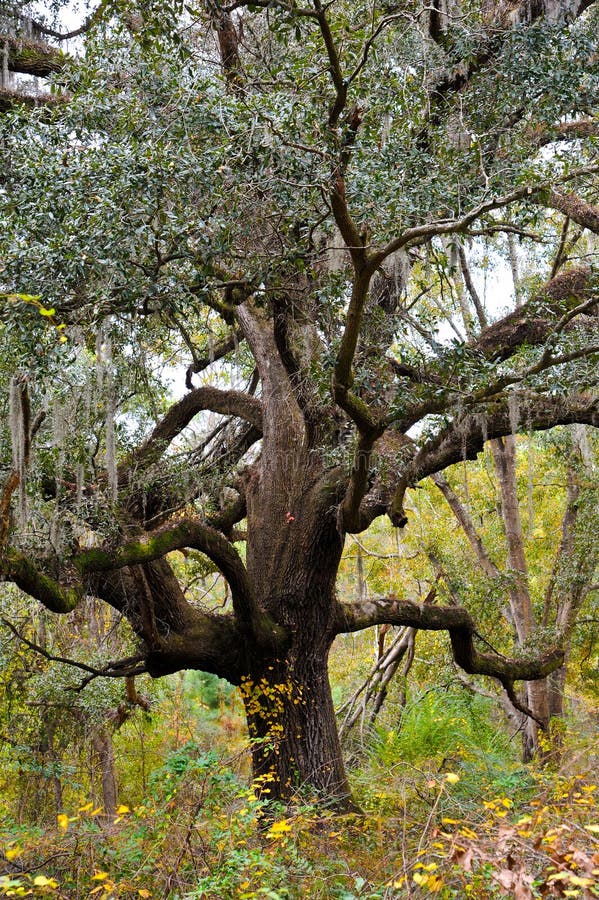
<point x="274" y="196"/>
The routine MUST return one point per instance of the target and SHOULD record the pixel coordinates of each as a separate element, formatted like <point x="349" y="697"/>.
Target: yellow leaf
<point x="144" y="893"/>
<point x="581" y="882"/>
<point x="63" y="821"/>
<point x="559" y="876"/>
<point x="278" y="828"/>
<point x="122" y="810"/>
<point x="594" y="829"/>
<point x="96" y="811"/>
<point x="42" y="881"/>
<point x="47" y="312"/>
<point x="12" y="853"/>
<point x="86" y="808"/>
<point x="450" y="821"/>
<point x="452" y="778"/>
<point x="99" y="876"/>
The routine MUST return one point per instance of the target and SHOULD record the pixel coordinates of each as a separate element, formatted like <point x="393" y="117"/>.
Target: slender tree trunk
<point x="104" y="748"/>
<point x="504" y="454"/>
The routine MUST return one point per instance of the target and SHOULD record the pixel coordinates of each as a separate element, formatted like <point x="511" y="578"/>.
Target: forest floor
<point x="442" y="817"/>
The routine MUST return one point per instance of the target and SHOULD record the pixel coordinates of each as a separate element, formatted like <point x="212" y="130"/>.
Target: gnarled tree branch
<point x="227" y="403"/>
<point x="190" y="533"/>
<point x="465" y="437"/>
<point x="462" y="632"/>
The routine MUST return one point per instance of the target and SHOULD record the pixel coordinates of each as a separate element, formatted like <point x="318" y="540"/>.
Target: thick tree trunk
<point x="293" y="553"/>
<point x="557" y="686"/>
<point x="292" y="725"/>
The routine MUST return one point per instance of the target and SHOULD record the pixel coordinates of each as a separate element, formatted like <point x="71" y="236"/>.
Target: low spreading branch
<point x="190" y="534"/>
<point x="121" y="668"/>
<point x="58" y="598"/>
<point x="462" y="632"/>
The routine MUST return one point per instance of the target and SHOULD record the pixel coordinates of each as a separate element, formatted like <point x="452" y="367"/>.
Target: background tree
<point x="280" y="215"/>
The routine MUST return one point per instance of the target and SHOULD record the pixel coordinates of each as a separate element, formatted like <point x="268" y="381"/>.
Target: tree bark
<point x="104" y="748"/>
<point x="293" y="730"/>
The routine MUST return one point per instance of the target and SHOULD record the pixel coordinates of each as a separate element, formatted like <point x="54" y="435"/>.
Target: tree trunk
<point x="104" y="748"/>
<point x="557" y="686"/>
<point x="292" y="726"/>
<point x="504" y="454"/>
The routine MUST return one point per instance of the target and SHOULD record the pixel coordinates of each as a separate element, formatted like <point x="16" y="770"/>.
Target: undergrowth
<point x="448" y="811"/>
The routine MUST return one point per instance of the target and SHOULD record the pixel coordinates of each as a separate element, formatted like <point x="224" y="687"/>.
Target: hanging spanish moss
<point x="5" y="76"/>
<point x="111" y="469"/>
<point x="531" y="510"/>
<point x="513" y="252"/>
<point x="99" y="359"/>
<point x="513" y="405"/>
<point x="401" y="271"/>
<point x="59" y="443"/>
<point x="18" y="423"/>
<point x="105" y="391"/>
<point x="483" y="424"/>
<point x="79" y="485"/>
<point x="581" y="441"/>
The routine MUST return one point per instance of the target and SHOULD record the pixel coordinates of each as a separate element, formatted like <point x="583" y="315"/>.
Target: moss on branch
<point x="462" y="631"/>
<point x="21" y="571"/>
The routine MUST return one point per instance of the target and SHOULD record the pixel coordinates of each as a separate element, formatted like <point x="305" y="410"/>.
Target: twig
<point x="122" y="668"/>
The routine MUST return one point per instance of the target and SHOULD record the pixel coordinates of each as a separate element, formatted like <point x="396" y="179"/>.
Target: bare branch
<point x="453" y="226"/>
<point x="92" y="19"/>
<point x="122" y="668"/>
<point x="215" y="353"/>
